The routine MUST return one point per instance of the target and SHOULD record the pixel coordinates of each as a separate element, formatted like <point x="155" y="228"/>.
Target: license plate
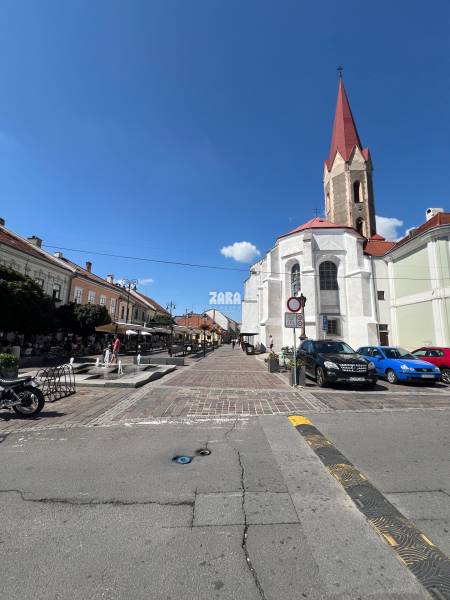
<point x="428" y="376"/>
<point x="356" y="379"/>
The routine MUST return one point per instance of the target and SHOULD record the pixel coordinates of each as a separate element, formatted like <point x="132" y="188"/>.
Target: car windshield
<point x="334" y="348"/>
<point x="398" y="353"/>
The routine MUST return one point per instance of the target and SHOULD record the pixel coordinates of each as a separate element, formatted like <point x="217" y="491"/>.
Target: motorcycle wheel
<point x="33" y="401"/>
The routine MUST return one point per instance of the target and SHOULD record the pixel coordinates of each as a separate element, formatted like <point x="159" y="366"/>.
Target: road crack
<point x="93" y="502"/>
<point x="248" y="560"/>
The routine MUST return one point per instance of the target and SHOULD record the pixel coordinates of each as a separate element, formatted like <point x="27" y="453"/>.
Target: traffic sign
<point x="293" y="320"/>
<point x="294" y="304"/>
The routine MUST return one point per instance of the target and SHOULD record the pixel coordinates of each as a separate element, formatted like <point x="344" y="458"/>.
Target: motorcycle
<point x="22" y="395"/>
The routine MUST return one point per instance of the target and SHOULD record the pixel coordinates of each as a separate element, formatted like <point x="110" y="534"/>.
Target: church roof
<point x="377" y="247"/>
<point x="316" y="223"/>
<point x="345" y="135"/>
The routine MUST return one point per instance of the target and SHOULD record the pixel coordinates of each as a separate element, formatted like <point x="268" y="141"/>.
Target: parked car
<point x="439" y="357"/>
<point x="331" y="361"/>
<point x="397" y="364"/>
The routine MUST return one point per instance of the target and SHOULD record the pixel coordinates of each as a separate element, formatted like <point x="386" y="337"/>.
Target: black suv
<point x="330" y="361"/>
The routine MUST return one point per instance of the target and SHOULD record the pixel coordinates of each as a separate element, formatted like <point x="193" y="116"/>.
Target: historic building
<point x="359" y="287"/>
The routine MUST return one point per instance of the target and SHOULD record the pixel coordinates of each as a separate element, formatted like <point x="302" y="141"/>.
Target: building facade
<point x="359" y="286"/>
<point x="28" y="258"/>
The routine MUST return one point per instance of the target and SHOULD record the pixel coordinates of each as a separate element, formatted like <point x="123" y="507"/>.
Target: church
<point x="358" y="286"/>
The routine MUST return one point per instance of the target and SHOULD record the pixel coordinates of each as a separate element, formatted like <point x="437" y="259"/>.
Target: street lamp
<point x="129" y="283"/>
<point x="205" y="327"/>
<point x="302" y="299"/>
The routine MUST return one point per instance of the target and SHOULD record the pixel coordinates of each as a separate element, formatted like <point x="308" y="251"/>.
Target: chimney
<point x="35" y="241"/>
<point x="88" y="266"/>
<point x="110" y="278"/>
<point x="58" y="254"/>
<point x="2" y="222"/>
<point x="432" y="212"/>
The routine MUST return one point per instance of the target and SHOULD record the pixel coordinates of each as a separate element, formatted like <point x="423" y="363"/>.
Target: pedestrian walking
<point x="271" y="343"/>
<point x="233" y="343"/>
<point x="116" y="349"/>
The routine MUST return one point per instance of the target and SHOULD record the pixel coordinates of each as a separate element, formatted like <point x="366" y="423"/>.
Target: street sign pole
<point x="295" y="360"/>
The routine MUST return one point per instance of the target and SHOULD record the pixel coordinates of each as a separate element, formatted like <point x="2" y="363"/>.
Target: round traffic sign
<point x="294" y="304"/>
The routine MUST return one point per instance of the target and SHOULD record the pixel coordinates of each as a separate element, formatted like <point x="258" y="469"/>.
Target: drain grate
<point x="427" y="562"/>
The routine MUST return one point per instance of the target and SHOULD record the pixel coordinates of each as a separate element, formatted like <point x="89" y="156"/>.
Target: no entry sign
<point x="294" y="304"/>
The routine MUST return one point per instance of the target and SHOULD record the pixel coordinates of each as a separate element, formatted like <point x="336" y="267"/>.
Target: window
<point x="421" y="352"/>
<point x="136" y="313"/>
<point x="435" y="353"/>
<point x="328" y="276"/>
<point x="360" y="226"/>
<point x="122" y="312"/>
<point x="380" y="294"/>
<point x="56" y="292"/>
<point x="39" y="281"/>
<point x="327" y="347"/>
<point x="91" y="297"/>
<point x="357" y="192"/>
<point x="333" y="327"/>
<point x="77" y="295"/>
<point x="112" y="306"/>
<point x="295" y="279"/>
<point x="102" y="300"/>
<point x="376" y="353"/>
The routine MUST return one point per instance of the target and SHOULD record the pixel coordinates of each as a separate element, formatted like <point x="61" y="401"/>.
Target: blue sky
<point x="169" y="129"/>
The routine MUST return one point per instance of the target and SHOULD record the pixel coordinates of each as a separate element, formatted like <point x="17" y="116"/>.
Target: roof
<point x="22" y="245"/>
<point x="345" y="135"/>
<point x="317" y="223"/>
<point x="377" y="246"/>
<point x="436" y="221"/>
<point x="153" y="303"/>
<point x="192" y="320"/>
<point x="82" y="272"/>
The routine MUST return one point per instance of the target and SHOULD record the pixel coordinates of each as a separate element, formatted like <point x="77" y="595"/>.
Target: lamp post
<point x="170" y="307"/>
<point x="129" y="283"/>
<point x="302" y="299"/>
<point x="205" y="326"/>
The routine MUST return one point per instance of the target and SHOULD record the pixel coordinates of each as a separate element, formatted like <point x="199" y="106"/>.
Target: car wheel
<point x="391" y="376"/>
<point x="446" y="375"/>
<point x="320" y="377"/>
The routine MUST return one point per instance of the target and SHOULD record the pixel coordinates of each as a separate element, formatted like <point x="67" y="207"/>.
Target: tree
<point x="25" y="308"/>
<point x="82" y="319"/>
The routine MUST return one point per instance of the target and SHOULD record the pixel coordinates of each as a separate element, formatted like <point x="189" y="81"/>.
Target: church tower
<point x="347" y="176"/>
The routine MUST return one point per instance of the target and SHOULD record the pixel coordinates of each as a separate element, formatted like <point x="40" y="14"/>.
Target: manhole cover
<point x="203" y="452"/>
<point x="182" y="460"/>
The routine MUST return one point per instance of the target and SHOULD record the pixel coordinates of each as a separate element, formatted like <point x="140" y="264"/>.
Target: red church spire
<point x="345" y="135"/>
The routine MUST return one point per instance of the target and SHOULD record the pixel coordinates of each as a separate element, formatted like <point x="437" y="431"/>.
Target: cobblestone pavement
<point x="225" y="384"/>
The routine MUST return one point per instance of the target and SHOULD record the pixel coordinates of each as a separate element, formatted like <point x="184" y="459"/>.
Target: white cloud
<point x="243" y="252"/>
<point x="388" y="226"/>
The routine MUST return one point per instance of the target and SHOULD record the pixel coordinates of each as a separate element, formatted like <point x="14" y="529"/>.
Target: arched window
<point x="357" y="192"/>
<point x="328" y="276"/>
<point x="295" y="279"/>
<point x="360" y="226"/>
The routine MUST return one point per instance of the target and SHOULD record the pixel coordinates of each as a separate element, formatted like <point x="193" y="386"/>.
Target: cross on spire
<point x="340" y="70"/>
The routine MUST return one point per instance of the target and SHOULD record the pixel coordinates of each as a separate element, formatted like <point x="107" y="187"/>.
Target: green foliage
<point x="82" y="319"/>
<point x="8" y="361"/>
<point x="25" y="307"/>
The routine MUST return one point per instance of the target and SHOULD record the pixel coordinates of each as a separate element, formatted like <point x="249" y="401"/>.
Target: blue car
<point x="397" y="364"/>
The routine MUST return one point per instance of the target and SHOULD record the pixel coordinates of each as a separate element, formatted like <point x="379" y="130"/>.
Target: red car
<point x="440" y="357"/>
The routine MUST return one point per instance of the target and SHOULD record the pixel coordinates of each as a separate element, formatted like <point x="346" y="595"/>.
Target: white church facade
<point x="359" y="287"/>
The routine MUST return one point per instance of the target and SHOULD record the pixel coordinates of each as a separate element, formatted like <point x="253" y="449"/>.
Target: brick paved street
<point x="226" y="383"/>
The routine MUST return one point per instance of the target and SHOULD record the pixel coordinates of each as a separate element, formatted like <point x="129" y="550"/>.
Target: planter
<point x="300" y="376"/>
<point x="9" y="373"/>
<point x="273" y="365"/>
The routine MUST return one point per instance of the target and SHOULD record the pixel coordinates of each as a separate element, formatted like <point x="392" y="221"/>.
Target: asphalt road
<point x="105" y="513"/>
<point x="406" y="455"/>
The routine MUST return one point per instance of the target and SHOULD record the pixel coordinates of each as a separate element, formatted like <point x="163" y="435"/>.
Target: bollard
<point x="97" y="362"/>
<point x="138" y="359"/>
<point x="120" y="369"/>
